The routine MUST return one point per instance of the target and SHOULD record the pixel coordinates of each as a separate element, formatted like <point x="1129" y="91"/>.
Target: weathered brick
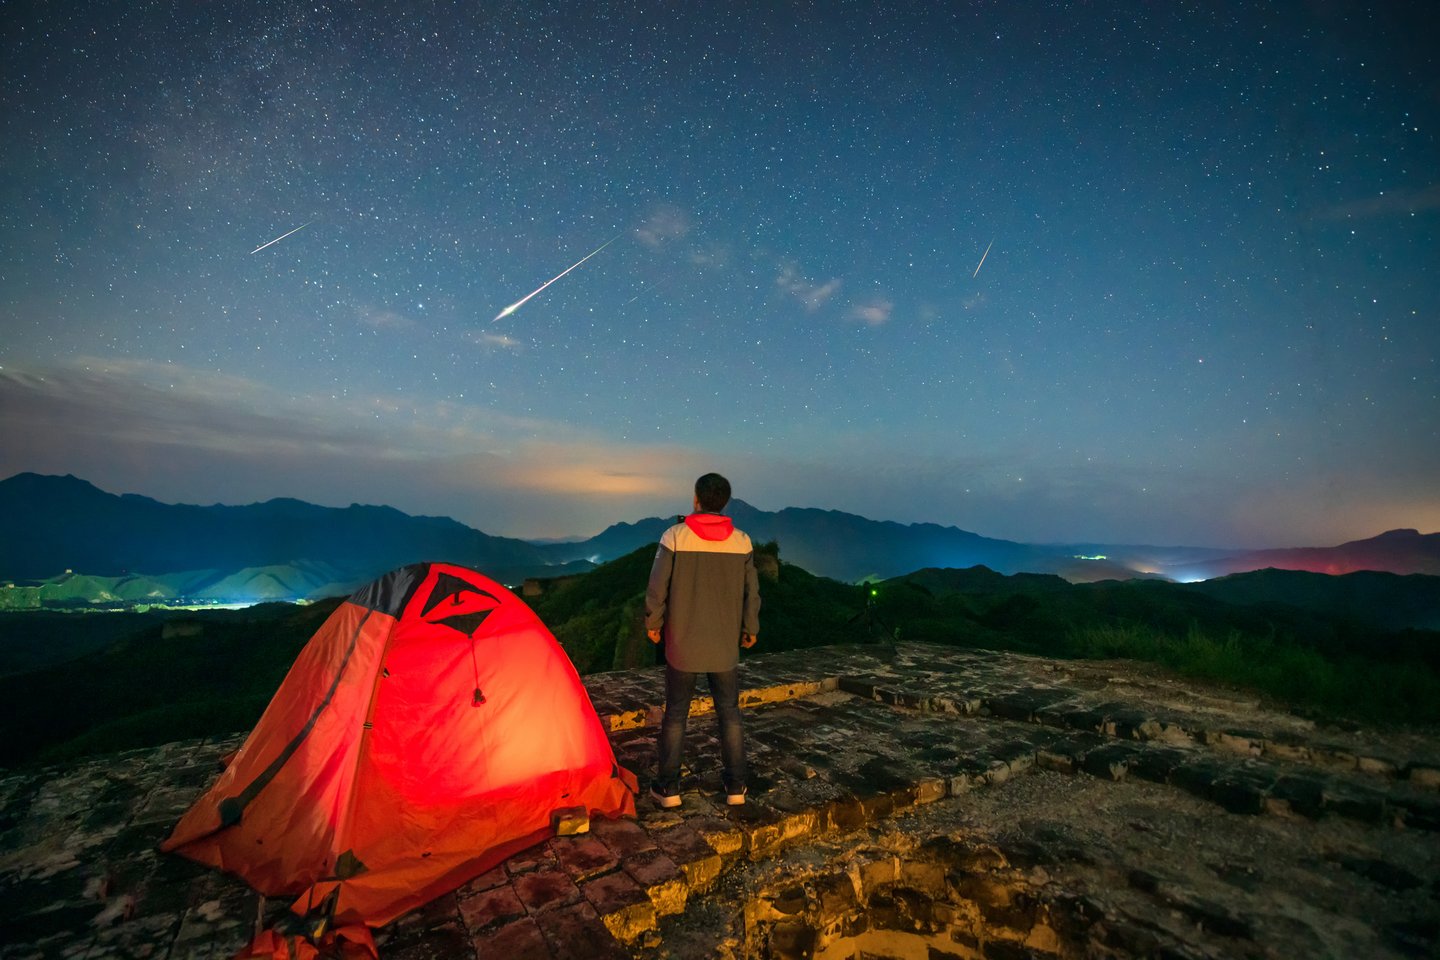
<point x="1196" y="776"/>
<point x="1354" y="802"/>
<point x="623" y="906"/>
<point x="573" y="932"/>
<point x="1300" y="794"/>
<point x="490" y="878"/>
<point x="877" y="873"/>
<point x="695" y="858"/>
<point x="929" y="790"/>
<point x="491" y="907"/>
<point x="1418" y="812"/>
<point x="542" y="890"/>
<point x="1376" y="766"/>
<point x="570" y="821"/>
<point x="1126" y="723"/>
<point x="623" y="837"/>
<point x="764" y="837"/>
<point x="1242" y="791"/>
<point x="661" y="880"/>
<point x="1423" y="775"/>
<point x="722" y="834"/>
<point x="1110" y="762"/>
<point x="845" y="814"/>
<point x="835" y="895"/>
<point x="792" y="940"/>
<point x="584" y="857"/>
<point x="1155" y="763"/>
<point x="519" y="940"/>
<point x="538" y="857"/>
<point x="856" y="686"/>
<point x="923" y="876"/>
<point x="1245" y="743"/>
<point x="1048" y="759"/>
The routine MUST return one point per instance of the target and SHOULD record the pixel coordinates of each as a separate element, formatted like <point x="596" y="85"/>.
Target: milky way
<point x="1210" y="314"/>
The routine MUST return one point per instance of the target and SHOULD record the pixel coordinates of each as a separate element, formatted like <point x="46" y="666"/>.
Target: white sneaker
<point x="667" y="800"/>
<point x="737" y="799"/>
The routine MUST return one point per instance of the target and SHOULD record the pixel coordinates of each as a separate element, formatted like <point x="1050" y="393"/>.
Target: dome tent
<point x="428" y="730"/>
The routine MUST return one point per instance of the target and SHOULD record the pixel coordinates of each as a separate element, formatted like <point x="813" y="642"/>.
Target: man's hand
<point x="747" y="641"/>
<point x="654" y="635"/>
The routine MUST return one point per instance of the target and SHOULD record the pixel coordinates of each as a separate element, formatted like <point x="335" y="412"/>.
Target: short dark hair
<point x="713" y="492"/>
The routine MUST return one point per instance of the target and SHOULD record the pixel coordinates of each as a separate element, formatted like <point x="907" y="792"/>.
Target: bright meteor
<point x="282" y="236"/>
<point x="521" y="302"/>
<point x="982" y="261"/>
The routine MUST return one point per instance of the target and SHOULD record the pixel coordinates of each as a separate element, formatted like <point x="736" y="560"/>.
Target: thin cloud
<point x="383" y="319"/>
<point x="664" y="224"/>
<point x="710" y="256"/>
<point x="497" y="340"/>
<point x="1390" y="203"/>
<point x="875" y="312"/>
<point x="812" y="295"/>
<point x="193" y="436"/>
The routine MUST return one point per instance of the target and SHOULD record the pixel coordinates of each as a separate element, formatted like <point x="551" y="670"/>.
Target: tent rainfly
<point x="429" y="729"/>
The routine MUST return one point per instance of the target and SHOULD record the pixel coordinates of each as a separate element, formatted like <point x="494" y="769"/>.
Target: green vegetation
<point x="199" y="675"/>
<point x="1294" y="674"/>
<point x="1319" y="665"/>
<point x="137" y="680"/>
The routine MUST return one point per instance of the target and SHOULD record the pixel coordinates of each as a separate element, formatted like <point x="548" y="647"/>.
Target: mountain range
<point x="62" y="540"/>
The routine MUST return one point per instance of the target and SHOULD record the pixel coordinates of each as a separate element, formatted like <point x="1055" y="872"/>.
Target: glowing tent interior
<point x="428" y="730"/>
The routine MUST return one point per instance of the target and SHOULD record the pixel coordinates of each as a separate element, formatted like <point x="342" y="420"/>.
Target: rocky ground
<point x="925" y="802"/>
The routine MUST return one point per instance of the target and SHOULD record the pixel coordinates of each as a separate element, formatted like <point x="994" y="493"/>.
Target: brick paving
<point x="841" y="739"/>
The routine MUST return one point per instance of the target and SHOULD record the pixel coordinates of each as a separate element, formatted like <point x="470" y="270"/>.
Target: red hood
<point x="710" y="526"/>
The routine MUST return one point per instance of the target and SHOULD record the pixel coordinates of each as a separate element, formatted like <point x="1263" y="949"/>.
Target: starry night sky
<point x="1209" y="313"/>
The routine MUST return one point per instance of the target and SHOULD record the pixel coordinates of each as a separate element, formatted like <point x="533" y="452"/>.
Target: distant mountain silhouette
<point x="65" y="541"/>
<point x="49" y="525"/>
<point x="1395" y="551"/>
<point x="844" y="546"/>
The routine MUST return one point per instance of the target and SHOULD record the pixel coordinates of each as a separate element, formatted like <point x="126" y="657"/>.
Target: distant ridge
<point x="1395" y="551"/>
<point x="844" y="546"/>
<point x="125" y="549"/>
<point x="49" y="525"/>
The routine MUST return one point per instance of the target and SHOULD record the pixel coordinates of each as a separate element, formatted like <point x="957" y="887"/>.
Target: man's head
<point x="712" y="492"/>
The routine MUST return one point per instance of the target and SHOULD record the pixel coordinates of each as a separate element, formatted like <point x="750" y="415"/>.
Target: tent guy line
<point x="521" y="302"/>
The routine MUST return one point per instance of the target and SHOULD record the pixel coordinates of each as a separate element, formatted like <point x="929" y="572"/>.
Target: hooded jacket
<point x="703" y="593"/>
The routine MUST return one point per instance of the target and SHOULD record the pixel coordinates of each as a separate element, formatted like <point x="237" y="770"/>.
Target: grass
<point x="1299" y="676"/>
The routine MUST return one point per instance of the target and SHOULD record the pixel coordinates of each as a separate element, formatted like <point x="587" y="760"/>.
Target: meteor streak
<point x="982" y="261"/>
<point x="282" y="236"/>
<point x="521" y="302"/>
<point x="637" y="296"/>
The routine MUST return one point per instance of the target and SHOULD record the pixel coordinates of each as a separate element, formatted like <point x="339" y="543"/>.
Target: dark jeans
<point x="725" y="690"/>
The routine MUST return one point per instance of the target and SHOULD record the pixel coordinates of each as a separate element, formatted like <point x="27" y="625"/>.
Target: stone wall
<point x="929" y="802"/>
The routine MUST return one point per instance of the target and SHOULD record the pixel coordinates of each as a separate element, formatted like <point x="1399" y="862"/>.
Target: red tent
<point x="427" y="731"/>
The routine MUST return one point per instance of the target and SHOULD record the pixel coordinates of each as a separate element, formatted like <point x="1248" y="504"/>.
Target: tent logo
<point x="459" y="605"/>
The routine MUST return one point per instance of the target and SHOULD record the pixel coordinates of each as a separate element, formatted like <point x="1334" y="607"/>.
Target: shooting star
<point x="982" y="261"/>
<point x="521" y="302"/>
<point x="282" y="237"/>
<point x="637" y="296"/>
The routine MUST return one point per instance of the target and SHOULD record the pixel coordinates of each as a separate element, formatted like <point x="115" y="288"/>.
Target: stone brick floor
<point x="924" y="801"/>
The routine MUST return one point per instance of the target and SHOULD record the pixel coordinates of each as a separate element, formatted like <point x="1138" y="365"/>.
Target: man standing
<point x="704" y="602"/>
